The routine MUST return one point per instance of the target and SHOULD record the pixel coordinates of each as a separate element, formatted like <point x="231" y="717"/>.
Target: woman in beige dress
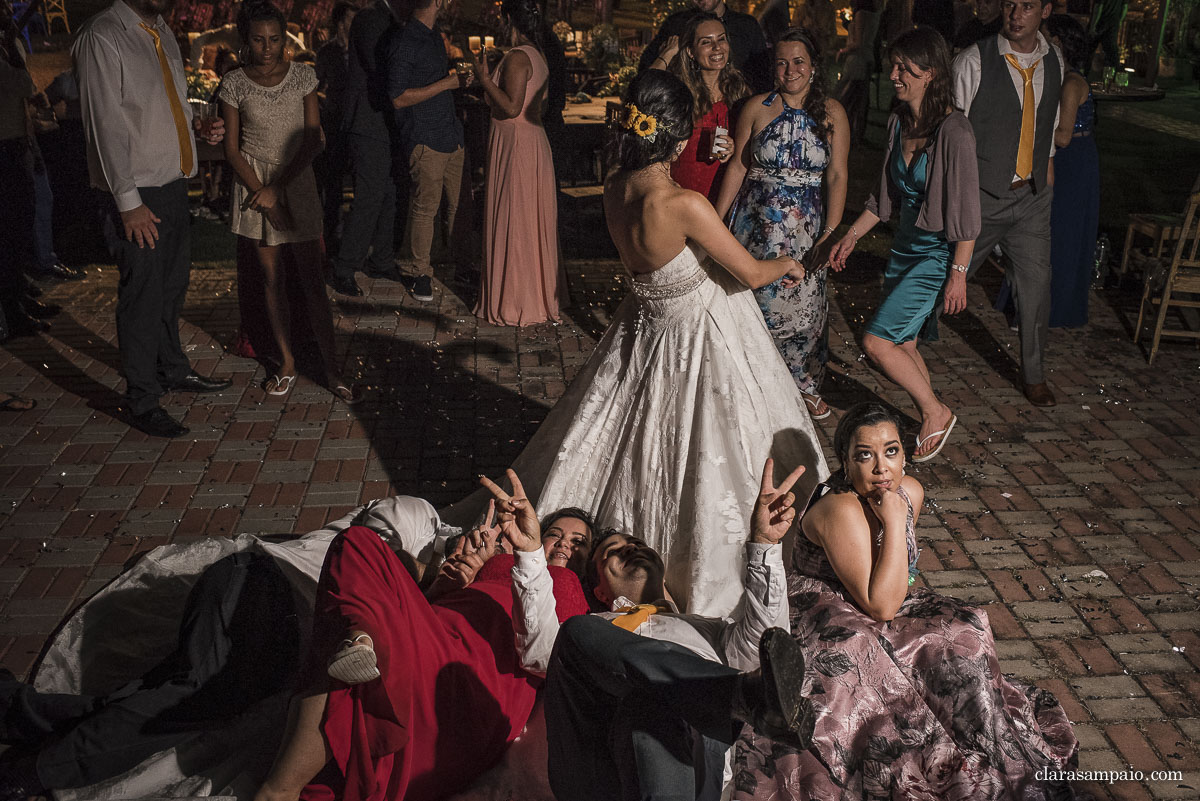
<point x="273" y="131"/>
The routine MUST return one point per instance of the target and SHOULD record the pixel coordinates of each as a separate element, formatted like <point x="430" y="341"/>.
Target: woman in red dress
<point x="701" y="59"/>
<point x="448" y="694"/>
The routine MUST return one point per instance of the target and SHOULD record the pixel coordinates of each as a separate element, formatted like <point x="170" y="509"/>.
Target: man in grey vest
<point x="1009" y="86"/>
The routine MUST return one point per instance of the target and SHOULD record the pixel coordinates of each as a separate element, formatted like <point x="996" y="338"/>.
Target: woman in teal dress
<point x="930" y="179"/>
<point x="786" y="145"/>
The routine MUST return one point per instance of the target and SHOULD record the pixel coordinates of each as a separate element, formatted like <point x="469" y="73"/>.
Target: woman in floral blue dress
<point x="786" y="144"/>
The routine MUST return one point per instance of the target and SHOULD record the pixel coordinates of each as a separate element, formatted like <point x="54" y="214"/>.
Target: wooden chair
<point x="1163" y="229"/>
<point x="55" y="10"/>
<point x="1182" y="277"/>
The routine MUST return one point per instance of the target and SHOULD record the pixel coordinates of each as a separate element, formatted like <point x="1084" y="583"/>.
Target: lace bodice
<point x="669" y="289"/>
<point x="271" y="118"/>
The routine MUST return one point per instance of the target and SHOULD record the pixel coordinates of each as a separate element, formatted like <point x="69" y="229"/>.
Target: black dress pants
<point x="150" y="296"/>
<point x="239" y="643"/>
<point x="369" y="227"/>
<point x="634" y="718"/>
<point x="16" y="222"/>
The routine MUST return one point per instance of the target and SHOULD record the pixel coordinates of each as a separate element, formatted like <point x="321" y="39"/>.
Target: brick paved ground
<point x="1078" y="528"/>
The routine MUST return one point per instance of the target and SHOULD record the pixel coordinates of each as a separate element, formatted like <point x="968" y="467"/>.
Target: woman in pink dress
<point x="522" y="280"/>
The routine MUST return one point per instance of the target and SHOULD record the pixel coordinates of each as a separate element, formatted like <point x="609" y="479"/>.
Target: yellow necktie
<point x="1025" y="149"/>
<point x="634" y="616"/>
<point x="181" y="126"/>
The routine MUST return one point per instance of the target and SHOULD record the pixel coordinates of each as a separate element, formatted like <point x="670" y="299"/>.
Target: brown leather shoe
<point x="1040" y="395"/>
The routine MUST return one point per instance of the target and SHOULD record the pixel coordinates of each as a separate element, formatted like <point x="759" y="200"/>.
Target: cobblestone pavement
<point x="1077" y="528"/>
<point x="1132" y="113"/>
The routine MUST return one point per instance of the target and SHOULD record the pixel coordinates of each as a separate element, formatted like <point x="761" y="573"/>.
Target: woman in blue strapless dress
<point x="930" y="179"/>
<point x="786" y="145"/>
<point x="1075" y="210"/>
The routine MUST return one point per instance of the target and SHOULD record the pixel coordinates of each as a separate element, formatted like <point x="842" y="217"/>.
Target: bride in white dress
<point x="664" y="431"/>
<point x="662" y="434"/>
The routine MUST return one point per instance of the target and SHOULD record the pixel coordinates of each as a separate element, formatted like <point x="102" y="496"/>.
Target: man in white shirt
<point x="138" y="126"/>
<point x="643" y="701"/>
<point x="1008" y="86"/>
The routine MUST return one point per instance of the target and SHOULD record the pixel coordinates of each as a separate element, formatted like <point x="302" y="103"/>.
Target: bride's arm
<point x="701" y="224"/>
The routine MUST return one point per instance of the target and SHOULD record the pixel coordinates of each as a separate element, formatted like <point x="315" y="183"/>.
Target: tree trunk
<point x="1160" y="29"/>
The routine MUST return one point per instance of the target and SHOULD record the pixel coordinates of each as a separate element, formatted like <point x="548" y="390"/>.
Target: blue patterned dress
<point x="779" y="212"/>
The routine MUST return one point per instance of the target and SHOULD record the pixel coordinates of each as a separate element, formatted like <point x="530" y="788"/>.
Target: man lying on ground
<point x="643" y="701"/>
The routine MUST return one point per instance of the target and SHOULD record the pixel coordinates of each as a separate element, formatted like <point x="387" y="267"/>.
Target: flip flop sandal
<point x="354" y="663"/>
<point x="279" y="386"/>
<point x="345" y="394"/>
<point x="815" y="403"/>
<point x="14" y="403"/>
<point x="945" y="435"/>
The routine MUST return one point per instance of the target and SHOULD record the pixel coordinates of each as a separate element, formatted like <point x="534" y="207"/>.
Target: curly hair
<point x="665" y="98"/>
<point x="732" y="84"/>
<point x="923" y="47"/>
<point x="526" y="16"/>
<point x="861" y="415"/>
<point x="258" y="11"/>
<point x="1071" y="36"/>
<point x="815" y="101"/>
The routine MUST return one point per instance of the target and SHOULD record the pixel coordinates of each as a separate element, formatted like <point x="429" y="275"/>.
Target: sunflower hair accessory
<point x="644" y="125"/>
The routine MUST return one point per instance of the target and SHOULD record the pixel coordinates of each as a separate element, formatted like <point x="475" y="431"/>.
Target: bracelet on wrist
<point x="829" y="229"/>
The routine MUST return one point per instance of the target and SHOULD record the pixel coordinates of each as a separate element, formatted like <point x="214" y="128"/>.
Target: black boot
<point x="771" y="699"/>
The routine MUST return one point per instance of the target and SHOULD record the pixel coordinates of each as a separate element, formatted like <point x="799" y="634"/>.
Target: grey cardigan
<point x="951" y="184"/>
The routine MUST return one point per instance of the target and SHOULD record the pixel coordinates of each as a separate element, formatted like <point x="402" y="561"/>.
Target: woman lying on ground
<point x="940" y="719"/>
<point x="425" y="694"/>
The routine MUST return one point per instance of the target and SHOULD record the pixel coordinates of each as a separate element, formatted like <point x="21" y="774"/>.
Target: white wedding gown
<point x="664" y="432"/>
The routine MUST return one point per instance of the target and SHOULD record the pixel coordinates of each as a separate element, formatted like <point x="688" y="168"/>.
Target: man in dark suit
<point x="368" y="232"/>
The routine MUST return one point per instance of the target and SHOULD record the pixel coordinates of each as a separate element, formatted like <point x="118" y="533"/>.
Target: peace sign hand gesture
<point x="518" y="522"/>
<point x="773" y="511"/>
<point x="484" y="538"/>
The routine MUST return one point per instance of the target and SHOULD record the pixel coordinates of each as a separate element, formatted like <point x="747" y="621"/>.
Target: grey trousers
<point x="1019" y="222"/>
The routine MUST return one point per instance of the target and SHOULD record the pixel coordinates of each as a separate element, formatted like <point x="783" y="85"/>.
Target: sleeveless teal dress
<point x="916" y="274"/>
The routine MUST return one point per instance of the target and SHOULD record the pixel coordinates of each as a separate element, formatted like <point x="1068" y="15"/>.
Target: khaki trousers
<point x="433" y="174"/>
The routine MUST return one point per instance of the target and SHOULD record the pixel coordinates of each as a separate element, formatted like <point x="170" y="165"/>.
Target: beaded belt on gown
<point x="673" y="289"/>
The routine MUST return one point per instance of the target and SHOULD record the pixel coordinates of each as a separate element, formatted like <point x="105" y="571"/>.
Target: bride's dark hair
<point x="860" y="415"/>
<point x="666" y="99"/>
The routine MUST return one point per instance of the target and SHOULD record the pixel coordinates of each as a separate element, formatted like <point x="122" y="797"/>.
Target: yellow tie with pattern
<point x="181" y="127"/>
<point x="634" y="616"/>
<point x="1025" y="149"/>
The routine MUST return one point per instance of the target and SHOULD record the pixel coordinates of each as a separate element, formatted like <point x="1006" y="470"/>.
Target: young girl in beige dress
<point x="273" y="131"/>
